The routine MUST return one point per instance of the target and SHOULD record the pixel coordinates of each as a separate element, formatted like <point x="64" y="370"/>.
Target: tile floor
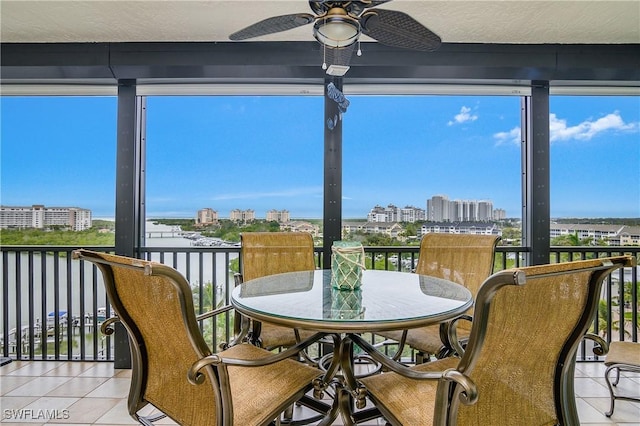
<point x="87" y="393"/>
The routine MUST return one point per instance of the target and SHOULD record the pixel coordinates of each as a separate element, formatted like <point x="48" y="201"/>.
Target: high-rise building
<point x="499" y="214"/>
<point x="456" y="210"/>
<point x="280" y="216"/>
<point x="411" y="214"/>
<point x="470" y="210"/>
<point x="238" y="215"/>
<point x="391" y="214"/>
<point x="39" y="216"/>
<point x="206" y="216"/>
<point x="438" y="209"/>
<point x="377" y="214"/>
<point x="485" y="210"/>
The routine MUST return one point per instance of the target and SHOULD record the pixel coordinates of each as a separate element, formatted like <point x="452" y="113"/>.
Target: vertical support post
<point x="332" y="208"/>
<point x="536" y="193"/>
<point x="141" y="183"/>
<point x="129" y="181"/>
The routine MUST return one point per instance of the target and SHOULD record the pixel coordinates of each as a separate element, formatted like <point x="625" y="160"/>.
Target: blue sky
<point x="266" y="152"/>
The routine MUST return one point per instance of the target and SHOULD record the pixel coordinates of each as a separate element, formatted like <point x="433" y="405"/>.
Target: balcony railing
<point x="52" y="306"/>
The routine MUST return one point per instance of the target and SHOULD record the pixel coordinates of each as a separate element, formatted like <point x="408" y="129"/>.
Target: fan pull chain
<point x="324" y="56"/>
<point x="324" y="50"/>
<point x="359" y="52"/>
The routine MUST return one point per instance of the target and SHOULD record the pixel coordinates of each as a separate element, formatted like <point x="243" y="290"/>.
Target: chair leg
<point x="610" y="385"/>
<point x="617" y="380"/>
<point x="288" y="413"/>
<point x="618" y="368"/>
<point x="422" y="357"/>
<point x="148" y="421"/>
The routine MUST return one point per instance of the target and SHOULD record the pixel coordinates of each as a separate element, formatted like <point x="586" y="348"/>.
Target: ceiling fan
<point x="338" y="25"/>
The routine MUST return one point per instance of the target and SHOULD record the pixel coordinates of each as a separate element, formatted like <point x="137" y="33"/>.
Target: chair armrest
<point x="196" y="377"/>
<point x="601" y="347"/>
<point x="469" y="394"/>
<point x="108" y="326"/>
<point x="214" y="312"/>
<point x="449" y="334"/>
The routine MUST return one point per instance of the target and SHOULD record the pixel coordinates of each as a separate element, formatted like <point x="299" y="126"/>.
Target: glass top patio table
<point x="386" y="300"/>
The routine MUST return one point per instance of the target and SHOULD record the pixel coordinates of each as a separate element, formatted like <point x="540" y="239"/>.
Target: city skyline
<point x="266" y="152"/>
<point x="377" y="205"/>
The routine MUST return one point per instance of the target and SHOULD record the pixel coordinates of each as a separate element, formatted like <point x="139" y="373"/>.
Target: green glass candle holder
<point x="347" y="264"/>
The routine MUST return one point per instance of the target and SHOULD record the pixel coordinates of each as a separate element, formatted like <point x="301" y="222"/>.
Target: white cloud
<point x="510" y="137"/>
<point x="464" y="116"/>
<point x="559" y="131"/>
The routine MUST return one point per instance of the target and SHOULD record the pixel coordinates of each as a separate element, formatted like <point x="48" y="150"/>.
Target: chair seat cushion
<point x="623" y="353"/>
<point x="412" y="401"/>
<point x="274" y="336"/>
<point x="425" y="339"/>
<point x="259" y="391"/>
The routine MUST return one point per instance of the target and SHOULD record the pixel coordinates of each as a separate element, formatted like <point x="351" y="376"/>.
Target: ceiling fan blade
<point x="375" y="3"/>
<point x="272" y="25"/>
<point x="397" y="29"/>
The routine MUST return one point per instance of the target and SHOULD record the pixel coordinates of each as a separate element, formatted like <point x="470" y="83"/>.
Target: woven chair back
<point x="530" y="334"/>
<point x="464" y="259"/>
<point x="157" y="312"/>
<point x="268" y="253"/>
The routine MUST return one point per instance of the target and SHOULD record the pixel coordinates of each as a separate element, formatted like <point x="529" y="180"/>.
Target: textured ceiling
<point x="521" y="21"/>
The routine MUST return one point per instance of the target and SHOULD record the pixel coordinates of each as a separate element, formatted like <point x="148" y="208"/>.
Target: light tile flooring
<point x="87" y="393"/>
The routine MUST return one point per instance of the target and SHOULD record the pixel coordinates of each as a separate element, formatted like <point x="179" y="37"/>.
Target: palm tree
<point x="602" y="319"/>
<point x="571" y="240"/>
<point x="207" y="295"/>
<point x="627" y="299"/>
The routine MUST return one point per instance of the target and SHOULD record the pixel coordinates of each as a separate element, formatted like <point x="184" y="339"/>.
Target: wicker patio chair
<point x="268" y="253"/>
<point x="174" y="370"/>
<point x="464" y="259"/>
<point x="518" y="366"/>
<point x="622" y="357"/>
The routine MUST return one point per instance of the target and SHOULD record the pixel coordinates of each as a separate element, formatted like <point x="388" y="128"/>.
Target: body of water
<point x="38" y="286"/>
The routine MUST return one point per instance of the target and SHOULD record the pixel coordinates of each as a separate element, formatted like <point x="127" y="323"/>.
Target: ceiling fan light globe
<point x="336" y="31"/>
